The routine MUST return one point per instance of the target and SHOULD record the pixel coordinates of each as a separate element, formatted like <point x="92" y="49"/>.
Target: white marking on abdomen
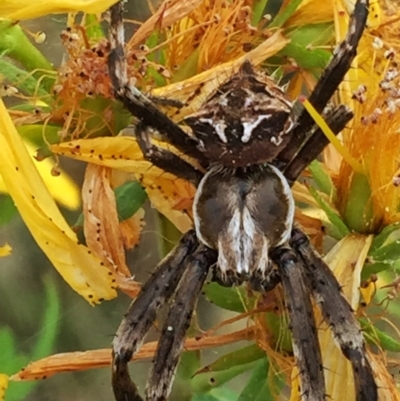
<point x="290" y="202"/>
<point x="242" y="237"/>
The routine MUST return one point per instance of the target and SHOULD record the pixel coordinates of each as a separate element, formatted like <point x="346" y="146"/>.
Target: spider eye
<point x="245" y="122"/>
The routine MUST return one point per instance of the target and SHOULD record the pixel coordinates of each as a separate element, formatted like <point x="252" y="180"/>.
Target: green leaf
<point x="217" y="394"/>
<point x="286" y="13"/>
<point x="37" y="132"/>
<point x="312" y="35"/>
<point x="281" y="337"/>
<point x="321" y="178"/>
<point x="226" y="297"/>
<point x="387" y="253"/>
<point x="188" y="365"/>
<point x="333" y="217"/>
<point x="383" y="236"/>
<point x="305" y="47"/>
<point x="157" y="57"/>
<point x="7" y="209"/>
<point x="188" y="68"/>
<point x="375" y="335"/>
<point x="49" y="324"/>
<point x="26" y="83"/>
<point x="204" y="382"/>
<point x="259" y="7"/>
<point x="11" y="360"/>
<point x="359" y="209"/>
<point x="241" y="356"/>
<point x="130" y="198"/>
<point x="15" y="44"/>
<point x="375" y="268"/>
<point x="257" y="386"/>
<point x="94" y="30"/>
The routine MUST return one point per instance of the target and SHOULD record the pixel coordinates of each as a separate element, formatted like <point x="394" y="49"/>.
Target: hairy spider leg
<point x="338" y="314"/>
<point x="142" y="312"/>
<point x="302" y="324"/>
<point x="177" y="323"/>
<point x="315" y="143"/>
<point x="331" y="78"/>
<point x="165" y="159"/>
<point x="131" y="97"/>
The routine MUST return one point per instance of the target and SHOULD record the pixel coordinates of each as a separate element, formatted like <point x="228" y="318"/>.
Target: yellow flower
<point x="20" y="10"/>
<point x="5" y="250"/>
<point x="84" y="273"/>
<point x="61" y="187"/>
<point x="3" y="385"/>
<point x="372" y="138"/>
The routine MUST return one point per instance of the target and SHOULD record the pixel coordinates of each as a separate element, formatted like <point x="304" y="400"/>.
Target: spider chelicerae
<point x="252" y="147"/>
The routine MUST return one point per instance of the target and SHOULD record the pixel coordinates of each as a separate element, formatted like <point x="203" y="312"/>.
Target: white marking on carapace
<point x="290" y="202"/>
<point x="249" y="100"/>
<point x="249" y="126"/>
<point x="219" y="127"/>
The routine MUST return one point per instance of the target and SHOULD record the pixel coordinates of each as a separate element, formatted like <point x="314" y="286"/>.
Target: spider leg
<point x="142" y="313"/>
<point x="338" y="313"/>
<point x="331" y="78"/>
<point x="316" y="143"/>
<point x="165" y="159"/>
<point x="134" y="100"/>
<point x="177" y="323"/>
<point x="302" y="323"/>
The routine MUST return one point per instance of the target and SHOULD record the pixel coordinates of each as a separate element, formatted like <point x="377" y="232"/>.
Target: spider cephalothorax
<point x="243" y="212"/>
<point x="245" y="121"/>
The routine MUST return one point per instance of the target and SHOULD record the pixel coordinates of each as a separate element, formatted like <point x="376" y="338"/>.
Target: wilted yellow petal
<point x="61" y="187"/>
<point x="99" y="358"/>
<point x="387" y="388"/>
<point x="375" y="12"/>
<point x="346" y="260"/>
<point x="311" y="12"/>
<point x="83" y="272"/>
<point x="132" y="228"/>
<point x="168" y="13"/>
<point x="3" y="385"/>
<point x="209" y="80"/>
<point x="5" y="250"/>
<point x="102" y="232"/>
<point x="20" y="10"/>
<point x="166" y="191"/>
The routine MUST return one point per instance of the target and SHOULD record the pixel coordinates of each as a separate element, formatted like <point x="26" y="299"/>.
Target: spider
<point x="253" y="148"/>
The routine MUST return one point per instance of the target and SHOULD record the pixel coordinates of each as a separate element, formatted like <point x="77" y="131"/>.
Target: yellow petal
<point x="83" y="272"/>
<point x="346" y="260"/>
<point x="20" y="10"/>
<point x="61" y="187"/>
<point x="166" y="191"/>
<point x="311" y="12"/>
<point x="3" y="385"/>
<point x="208" y="81"/>
<point x="102" y="231"/>
<point x="5" y="250"/>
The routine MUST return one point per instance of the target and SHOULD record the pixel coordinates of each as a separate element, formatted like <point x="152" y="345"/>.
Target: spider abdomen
<point x="243" y="214"/>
